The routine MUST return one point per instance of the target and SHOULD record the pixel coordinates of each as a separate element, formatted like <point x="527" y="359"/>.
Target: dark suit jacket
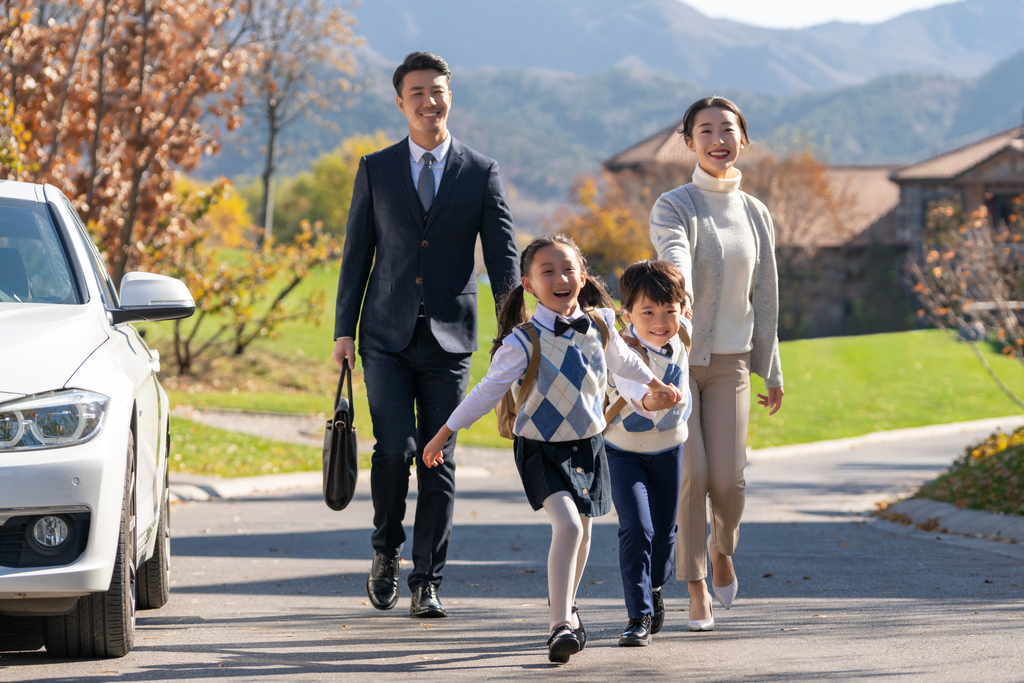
<point x="398" y="257"/>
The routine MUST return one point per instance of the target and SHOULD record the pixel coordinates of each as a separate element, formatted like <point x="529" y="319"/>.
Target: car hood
<point x="43" y="344"/>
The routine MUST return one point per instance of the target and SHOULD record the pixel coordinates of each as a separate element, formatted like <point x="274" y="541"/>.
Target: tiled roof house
<point x="884" y="207"/>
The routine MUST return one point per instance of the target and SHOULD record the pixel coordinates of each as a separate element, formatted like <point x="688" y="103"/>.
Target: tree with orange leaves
<point x="115" y="96"/>
<point x="969" y="275"/>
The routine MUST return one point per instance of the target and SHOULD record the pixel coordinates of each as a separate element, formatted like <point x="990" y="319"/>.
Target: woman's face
<point x="717" y="140"/>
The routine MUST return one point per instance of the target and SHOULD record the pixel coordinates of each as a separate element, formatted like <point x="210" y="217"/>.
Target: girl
<point x="723" y="241"/>
<point x="559" y="449"/>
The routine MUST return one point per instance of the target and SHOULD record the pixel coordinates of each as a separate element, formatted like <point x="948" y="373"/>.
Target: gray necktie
<point x="425" y="187"/>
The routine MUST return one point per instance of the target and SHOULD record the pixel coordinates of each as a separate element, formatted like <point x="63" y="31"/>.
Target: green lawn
<point x="847" y="386"/>
<point x="836" y="387"/>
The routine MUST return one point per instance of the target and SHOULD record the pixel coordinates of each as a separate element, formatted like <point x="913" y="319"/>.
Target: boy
<point x="645" y="448"/>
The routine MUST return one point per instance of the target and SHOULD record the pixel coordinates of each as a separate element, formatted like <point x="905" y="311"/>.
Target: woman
<point x="723" y="241"/>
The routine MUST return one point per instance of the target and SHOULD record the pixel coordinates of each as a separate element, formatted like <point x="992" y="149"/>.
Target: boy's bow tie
<point x="580" y="324"/>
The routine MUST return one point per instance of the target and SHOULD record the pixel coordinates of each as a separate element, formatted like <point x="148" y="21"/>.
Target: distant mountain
<point x="544" y="127"/>
<point x="961" y="39"/>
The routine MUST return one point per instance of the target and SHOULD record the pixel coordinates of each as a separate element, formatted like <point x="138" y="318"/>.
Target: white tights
<point x="570" y="546"/>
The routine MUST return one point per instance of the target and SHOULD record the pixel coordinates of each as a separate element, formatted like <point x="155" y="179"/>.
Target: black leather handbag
<point x="341" y="450"/>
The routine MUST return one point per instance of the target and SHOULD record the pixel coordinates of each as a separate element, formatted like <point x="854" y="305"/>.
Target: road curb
<point x="1009" y="422"/>
<point x="189" y="487"/>
<point x="932" y="515"/>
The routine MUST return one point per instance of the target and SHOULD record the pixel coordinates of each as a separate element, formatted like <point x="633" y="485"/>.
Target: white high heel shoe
<point x="703" y="624"/>
<point x="725" y="594"/>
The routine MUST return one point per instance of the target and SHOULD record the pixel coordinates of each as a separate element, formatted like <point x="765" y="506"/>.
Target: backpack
<point x="508" y="407"/>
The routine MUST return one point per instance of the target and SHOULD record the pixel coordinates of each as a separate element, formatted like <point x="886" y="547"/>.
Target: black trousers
<point x="411" y="394"/>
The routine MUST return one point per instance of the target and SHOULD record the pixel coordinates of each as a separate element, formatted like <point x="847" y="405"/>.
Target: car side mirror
<point x="150" y="297"/>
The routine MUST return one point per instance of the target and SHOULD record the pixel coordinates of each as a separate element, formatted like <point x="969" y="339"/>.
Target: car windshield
<point x="33" y="264"/>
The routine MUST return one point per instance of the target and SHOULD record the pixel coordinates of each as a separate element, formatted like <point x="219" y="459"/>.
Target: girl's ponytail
<point x="594" y="294"/>
<point x="511" y="314"/>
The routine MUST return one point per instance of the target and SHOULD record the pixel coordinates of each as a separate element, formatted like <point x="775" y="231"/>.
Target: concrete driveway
<point x="271" y="587"/>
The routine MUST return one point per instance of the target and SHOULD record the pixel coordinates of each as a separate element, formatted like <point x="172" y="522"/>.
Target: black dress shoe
<point x="637" y="633"/>
<point x="658" y="618"/>
<point x="425" y="603"/>
<point x="562" y="644"/>
<point x="581" y="633"/>
<point x="382" y="584"/>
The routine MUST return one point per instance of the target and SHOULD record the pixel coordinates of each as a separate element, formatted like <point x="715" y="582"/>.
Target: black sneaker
<point x="637" y="633"/>
<point x="658" y="618"/>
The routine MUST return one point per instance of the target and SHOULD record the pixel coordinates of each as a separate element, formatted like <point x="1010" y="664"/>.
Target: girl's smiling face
<point x="717" y="139"/>
<point x="657" y="323"/>
<point x="555" y="278"/>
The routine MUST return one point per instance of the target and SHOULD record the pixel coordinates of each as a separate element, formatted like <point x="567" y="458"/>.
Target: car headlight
<point x="59" y="418"/>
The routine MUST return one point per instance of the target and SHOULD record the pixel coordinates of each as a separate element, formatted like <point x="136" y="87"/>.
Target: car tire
<point x="103" y="624"/>
<point x="154" y="587"/>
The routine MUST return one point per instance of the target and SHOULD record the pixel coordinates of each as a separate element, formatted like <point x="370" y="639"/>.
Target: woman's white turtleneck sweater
<point x="734" y="325"/>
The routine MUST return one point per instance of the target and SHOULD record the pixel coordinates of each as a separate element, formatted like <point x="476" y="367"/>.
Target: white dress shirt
<point x="510" y="362"/>
<point x="440" y="156"/>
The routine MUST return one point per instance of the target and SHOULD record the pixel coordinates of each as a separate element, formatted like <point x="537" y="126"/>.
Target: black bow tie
<point x="580" y="324"/>
<point x="667" y="349"/>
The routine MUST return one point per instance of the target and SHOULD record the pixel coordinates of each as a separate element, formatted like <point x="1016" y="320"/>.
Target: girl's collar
<point x="546" y="317"/>
<point x="707" y="182"/>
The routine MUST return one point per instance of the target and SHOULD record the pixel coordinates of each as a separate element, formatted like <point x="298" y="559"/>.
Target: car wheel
<point x="155" y="573"/>
<point x="103" y="624"/>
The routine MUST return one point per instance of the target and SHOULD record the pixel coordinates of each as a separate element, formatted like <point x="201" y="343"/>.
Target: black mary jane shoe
<point x="426" y="604"/>
<point x="562" y="644"/>
<point x="658" y="618"/>
<point x="581" y="633"/>
<point x="637" y="633"/>
<point x="382" y="584"/>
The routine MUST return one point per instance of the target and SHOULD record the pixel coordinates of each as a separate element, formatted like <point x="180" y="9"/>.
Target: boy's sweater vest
<point x="566" y="401"/>
<point x="629" y="431"/>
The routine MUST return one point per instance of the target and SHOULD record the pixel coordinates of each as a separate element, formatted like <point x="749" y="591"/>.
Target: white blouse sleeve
<point x="621" y="360"/>
<point x="507" y="366"/>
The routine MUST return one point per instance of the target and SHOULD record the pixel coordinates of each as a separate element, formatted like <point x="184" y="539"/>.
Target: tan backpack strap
<point x="531" y="369"/>
<point x="614" y="410"/>
<point x="635" y="343"/>
<point x="601" y="325"/>
<point x="617" y="407"/>
<point x="684" y="337"/>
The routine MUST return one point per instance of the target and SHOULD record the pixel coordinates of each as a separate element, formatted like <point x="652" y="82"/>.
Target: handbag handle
<point x="346" y="372"/>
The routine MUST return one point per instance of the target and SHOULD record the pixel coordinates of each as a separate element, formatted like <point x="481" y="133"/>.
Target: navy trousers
<point x="411" y="395"/>
<point x="645" y="490"/>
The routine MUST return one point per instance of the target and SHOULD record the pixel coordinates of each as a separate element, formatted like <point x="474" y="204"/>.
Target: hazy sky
<point x="800" y="13"/>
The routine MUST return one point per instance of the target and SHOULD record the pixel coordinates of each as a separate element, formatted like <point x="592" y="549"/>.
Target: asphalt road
<point x="272" y="588"/>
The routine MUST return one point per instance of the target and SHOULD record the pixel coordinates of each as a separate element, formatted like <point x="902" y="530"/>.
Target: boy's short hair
<point x="659" y="281"/>
<point x="420" y="61"/>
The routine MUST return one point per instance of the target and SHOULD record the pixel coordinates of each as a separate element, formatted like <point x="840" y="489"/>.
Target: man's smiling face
<point x="425" y="101"/>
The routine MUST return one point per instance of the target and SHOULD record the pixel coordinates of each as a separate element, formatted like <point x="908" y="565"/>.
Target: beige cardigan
<point x="684" y="234"/>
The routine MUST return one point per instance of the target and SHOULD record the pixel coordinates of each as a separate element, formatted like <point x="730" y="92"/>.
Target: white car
<point x="84" y="518"/>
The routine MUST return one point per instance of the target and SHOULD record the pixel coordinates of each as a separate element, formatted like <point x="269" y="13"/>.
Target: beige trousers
<point x="713" y="461"/>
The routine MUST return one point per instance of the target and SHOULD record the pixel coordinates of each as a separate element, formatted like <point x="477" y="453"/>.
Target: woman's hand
<point x="432" y="454"/>
<point x="773" y="400"/>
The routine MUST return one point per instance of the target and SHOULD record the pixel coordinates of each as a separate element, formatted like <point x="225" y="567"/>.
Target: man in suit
<point x="417" y="209"/>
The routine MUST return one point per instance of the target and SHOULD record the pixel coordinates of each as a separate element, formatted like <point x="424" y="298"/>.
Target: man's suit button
<point x="425" y="243"/>
<point x="419" y="281"/>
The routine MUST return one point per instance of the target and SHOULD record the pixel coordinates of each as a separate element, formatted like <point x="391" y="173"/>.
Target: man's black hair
<point x="420" y="61"/>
